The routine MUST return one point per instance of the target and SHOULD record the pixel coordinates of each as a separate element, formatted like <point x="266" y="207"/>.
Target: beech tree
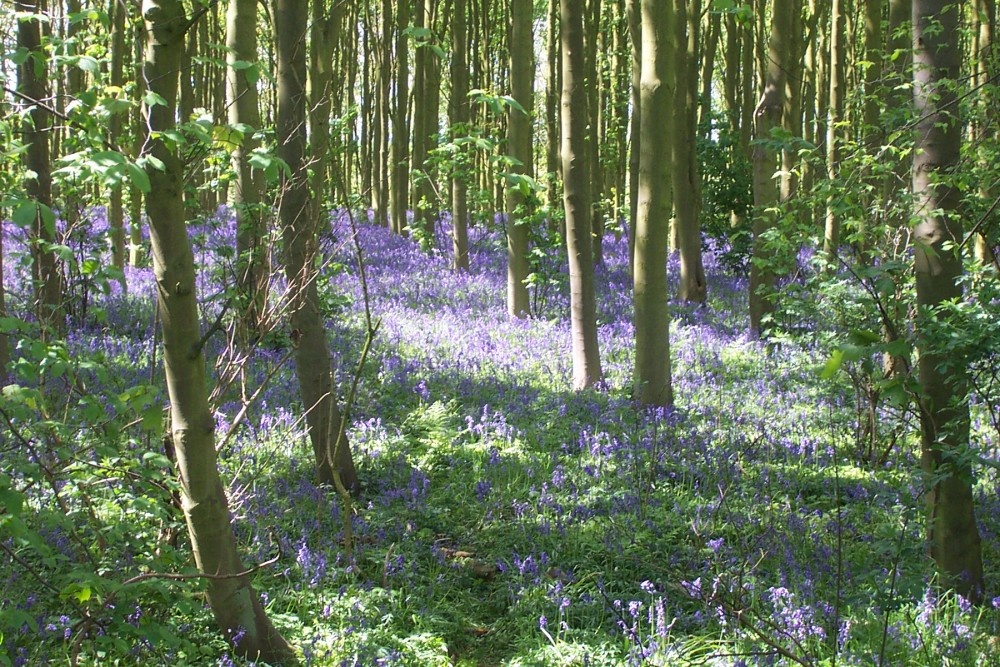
<point x="247" y="191"/>
<point x="952" y="532"/>
<point x="235" y="604"/>
<point x="520" y="148"/>
<point x="768" y="116"/>
<point x="576" y="200"/>
<point x="684" y="157"/>
<point x="32" y="89"/>
<point x="334" y="463"/>
<point x="652" y="381"/>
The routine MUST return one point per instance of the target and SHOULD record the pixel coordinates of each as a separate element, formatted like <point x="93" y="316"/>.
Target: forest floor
<point x="503" y="519"/>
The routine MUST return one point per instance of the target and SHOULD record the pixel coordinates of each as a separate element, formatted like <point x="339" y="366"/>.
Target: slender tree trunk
<point x="368" y="86"/>
<point x="552" y="157"/>
<point x="592" y="144"/>
<point x="325" y="27"/>
<point x="710" y="49"/>
<point x="652" y="381"/>
<point x="684" y="172"/>
<point x="635" y="123"/>
<point x="400" y="128"/>
<point x="33" y="87"/>
<point x="768" y="116"/>
<point x="235" y="604"/>
<point x="116" y="208"/>
<point x="576" y="200"/>
<point x="986" y="68"/>
<point x="944" y="410"/>
<point x="380" y="124"/>
<point x="248" y="185"/>
<point x="831" y="239"/>
<point x="521" y="150"/>
<point x="4" y="340"/>
<point x="460" y="120"/>
<point x="312" y="356"/>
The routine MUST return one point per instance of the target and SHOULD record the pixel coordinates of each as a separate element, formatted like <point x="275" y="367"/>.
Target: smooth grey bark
<point x="116" y="208"/>
<point x="247" y="190"/>
<point x="235" y="604"/>
<point x="952" y="532"/>
<point x="831" y="236"/>
<point x="400" y="128"/>
<point x="32" y="86"/>
<point x="634" y="13"/>
<point x="576" y="200"/>
<point x="686" y="179"/>
<point x="334" y="463"/>
<point x="521" y="150"/>
<point x="767" y="116"/>
<point x="985" y="58"/>
<point x="652" y="375"/>
<point x="552" y="92"/>
<point x="459" y="109"/>
<point x="592" y="85"/>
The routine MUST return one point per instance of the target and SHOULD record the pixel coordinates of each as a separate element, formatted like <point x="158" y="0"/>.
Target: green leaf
<point x="138" y="176"/>
<point x="88" y="64"/>
<point x="11" y="501"/>
<point x="152" y="421"/>
<point x="25" y="214"/>
<point x="151" y="99"/>
<point x="832" y="365"/>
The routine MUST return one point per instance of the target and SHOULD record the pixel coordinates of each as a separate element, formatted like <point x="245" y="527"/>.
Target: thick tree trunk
<point x="576" y="200"/>
<point x="32" y="87"/>
<point x="652" y="381"/>
<point x="521" y="149"/>
<point x="312" y="356"/>
<point x="248" y="186"/>
<point x="944" y="410"/>
<point x="235" y="604"/>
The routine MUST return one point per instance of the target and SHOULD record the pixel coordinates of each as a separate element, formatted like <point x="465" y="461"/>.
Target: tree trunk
<point x="767" y="117"/>
<point x="985" y="58"/>
<point x="684" y="172"/>
<point x="831" y="237"/>
<point x="635" y="134"/>
<point x="521" y="150"/>
<point x="327" y="433"/>
<point x="576" y="200"/>
<point x="380" y="122"/>
<point x="552" y="157"/>
<point x="248" y="185"/>
<point x="592" y="144"/>
<point x="709" y="50"/>
<point x="235" y="604"/>
<point x="460" y="120"/>
<point x="32" y="87"/>
<point x="400" y="128"/>
<point x="944" y="410"/>
<point x="116" y="208"/>
<point x="652" y="381"/>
